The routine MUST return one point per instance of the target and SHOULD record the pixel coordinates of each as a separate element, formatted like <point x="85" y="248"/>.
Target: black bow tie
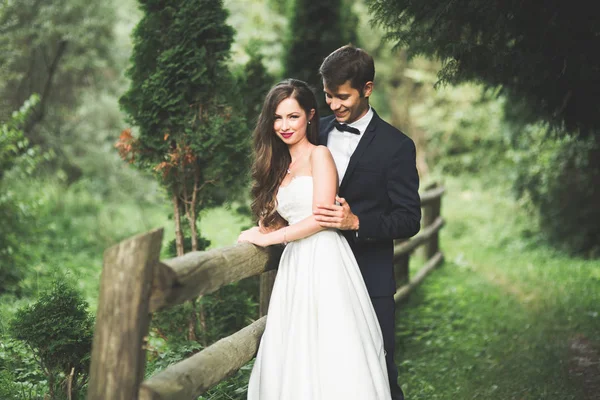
<point x="344" y="127"/>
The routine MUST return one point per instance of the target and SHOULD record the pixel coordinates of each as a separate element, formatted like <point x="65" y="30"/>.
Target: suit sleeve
<point x="403" y="217"/>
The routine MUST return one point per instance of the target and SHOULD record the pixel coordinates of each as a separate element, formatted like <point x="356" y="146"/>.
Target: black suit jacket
<point x="381" y="185"/>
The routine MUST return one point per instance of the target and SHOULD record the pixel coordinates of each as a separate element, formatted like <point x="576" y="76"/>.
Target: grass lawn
<point x="502" y="317"/>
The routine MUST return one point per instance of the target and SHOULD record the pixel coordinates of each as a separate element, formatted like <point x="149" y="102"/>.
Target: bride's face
<point x="290" y="121"/>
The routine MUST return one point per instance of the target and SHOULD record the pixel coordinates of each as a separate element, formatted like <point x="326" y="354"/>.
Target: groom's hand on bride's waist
<point x="336" y="216"/>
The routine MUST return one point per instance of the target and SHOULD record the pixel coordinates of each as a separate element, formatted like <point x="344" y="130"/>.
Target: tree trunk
<point x="40" y="109"/>
<point x="194" y="229"/>
<point x="203" y="323"/>
<point x="178" y="231"/>
<point x="51" y="385"/>
<point x="70" y="384"/>
<point x="193" y="215"/>
<point x="192" y="323"/>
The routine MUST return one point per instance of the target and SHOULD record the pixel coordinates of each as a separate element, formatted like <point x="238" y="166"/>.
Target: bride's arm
<point x="324" y="190"/>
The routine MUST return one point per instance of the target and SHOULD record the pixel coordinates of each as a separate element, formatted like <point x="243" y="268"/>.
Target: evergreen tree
<point x="183" y="101"/>
<point x="543" y="54"/>
<point x="543" y="57"/>
<point x="254" y="84"/>
<point x="316" y="29"/>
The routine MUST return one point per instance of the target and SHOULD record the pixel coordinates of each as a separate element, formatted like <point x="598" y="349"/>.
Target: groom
<point x="378" y="194"/>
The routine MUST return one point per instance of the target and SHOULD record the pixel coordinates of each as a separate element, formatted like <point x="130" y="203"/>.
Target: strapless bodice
<point x="294" y="201"/>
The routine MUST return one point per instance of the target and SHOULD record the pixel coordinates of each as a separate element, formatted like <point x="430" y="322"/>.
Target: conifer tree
<point x="543" y="54"/>
<point x="543" y="57"/>
<point x="183" y="101"/>
<point x="316" y="29"/>
<point x="254" y="84"/>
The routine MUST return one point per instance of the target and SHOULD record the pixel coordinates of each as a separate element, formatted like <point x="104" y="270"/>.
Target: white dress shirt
<point x="342" y="144"/>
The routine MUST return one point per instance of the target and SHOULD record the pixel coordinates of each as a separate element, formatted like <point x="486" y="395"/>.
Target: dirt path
<point x="584" y="366"/>
<point x="584" y="356"/>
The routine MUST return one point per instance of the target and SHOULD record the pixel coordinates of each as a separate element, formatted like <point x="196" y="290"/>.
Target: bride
<point x="322" y="339"/>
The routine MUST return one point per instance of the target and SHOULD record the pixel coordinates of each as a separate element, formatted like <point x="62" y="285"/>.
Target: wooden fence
<point x="135" y="283"/>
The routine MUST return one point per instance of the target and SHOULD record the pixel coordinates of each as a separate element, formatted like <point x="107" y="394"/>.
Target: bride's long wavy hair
<point x="271" y="154"/>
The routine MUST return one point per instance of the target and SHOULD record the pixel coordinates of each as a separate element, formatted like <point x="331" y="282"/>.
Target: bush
<point x="59" y="330"/>
<point x="203" y="244"/>
<point x="561" y="179"/>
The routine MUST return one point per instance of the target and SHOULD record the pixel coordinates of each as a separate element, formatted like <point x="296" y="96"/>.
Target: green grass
<point x="496" y="320"/>
<point x="222" y="226"/>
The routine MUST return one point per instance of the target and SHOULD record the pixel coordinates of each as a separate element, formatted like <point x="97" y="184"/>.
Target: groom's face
<point x="346" y="102"/>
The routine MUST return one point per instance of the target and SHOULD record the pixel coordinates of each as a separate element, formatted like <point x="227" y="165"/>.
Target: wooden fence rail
<point x="135" y="283"/>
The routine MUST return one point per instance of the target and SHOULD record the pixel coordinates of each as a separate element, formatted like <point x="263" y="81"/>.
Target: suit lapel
<point x="360" y="149"/>
<point x="324" y="135"/>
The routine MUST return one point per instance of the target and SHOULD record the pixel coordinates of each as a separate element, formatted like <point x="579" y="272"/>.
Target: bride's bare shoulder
<point x="320" y="152"/>
<point x="321" y="159"/>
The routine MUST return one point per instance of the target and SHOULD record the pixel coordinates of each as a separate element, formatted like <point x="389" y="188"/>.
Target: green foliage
<point x="8" y="387"/>
<point x="212" y="317"/>
<point x="234" y="388"/>
<point x="169" y="355"/>
<point x="59" y="330"/>
<point x="229" y="309"/>
<point x="258" y="22"/>
<point x="203" y="243"/>
<point x="544" y="71"/>
<point x="532" y="51"/>
<point x="172" y="324"/>
<point x="56" y="49"/>
<point x="18" y="160"/>
<point x="316" y="29"/>
<point x="561" y="179"/>
<point x="184" y="102"/>
<point x="254" y="83"/>
<point x="281" y="6"/>
<point x="465" y="129"/>
<point x="20" y="375"/>
<point x="177" y="74"/>
<point x="15" y="150"/>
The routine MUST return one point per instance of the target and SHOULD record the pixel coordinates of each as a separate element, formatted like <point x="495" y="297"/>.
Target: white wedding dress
<point x="322" y="340"/>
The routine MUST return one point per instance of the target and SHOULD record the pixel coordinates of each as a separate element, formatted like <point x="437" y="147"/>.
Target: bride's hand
<point x="254" y="236"/>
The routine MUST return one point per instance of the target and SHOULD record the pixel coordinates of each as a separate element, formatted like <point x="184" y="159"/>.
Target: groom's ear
<point x="368" y="89"/>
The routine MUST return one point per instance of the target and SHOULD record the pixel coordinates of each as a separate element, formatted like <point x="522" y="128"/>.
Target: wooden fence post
<point x="122" y="320"/>
<point x="267" y="279"/>
<point x="430" y="213"/>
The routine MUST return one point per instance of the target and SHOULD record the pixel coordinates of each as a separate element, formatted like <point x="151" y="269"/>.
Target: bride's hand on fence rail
<point x="254" y="236"/>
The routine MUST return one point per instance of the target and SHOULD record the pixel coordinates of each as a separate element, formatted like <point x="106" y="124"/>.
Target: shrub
<point x="59" y="330"/>
<point x="561" y="179"/>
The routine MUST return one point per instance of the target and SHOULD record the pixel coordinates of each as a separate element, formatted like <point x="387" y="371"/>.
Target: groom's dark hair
<point x="348" y="63"/>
